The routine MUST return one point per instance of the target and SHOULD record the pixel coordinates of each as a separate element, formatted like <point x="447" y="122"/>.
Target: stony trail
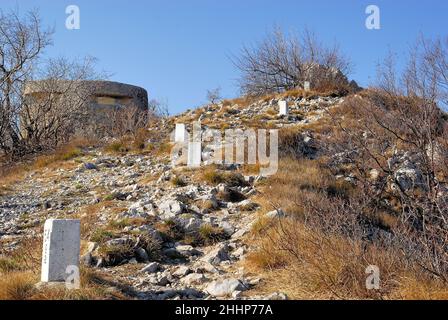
<point x="159" y="230"/>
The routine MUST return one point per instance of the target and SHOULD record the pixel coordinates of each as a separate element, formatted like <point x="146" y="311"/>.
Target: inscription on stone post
<point x="60" y="249"/>
<point x="283" y="108"/>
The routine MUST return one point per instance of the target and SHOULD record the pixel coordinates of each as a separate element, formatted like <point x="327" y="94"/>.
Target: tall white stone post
<point x="60" y="249"/>
<point x="180" y="133"/>
<point x="306" y="86"/>
<point x="283" y="108"/>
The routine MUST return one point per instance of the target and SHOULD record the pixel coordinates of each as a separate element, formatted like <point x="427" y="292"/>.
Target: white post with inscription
<point x="194" y="154"/>
<point x="283" y="108"/>
<point x="195" y="147"/>
<point x="60" y="249"/>
<point x="180" y="134"/>
<point x="306" y="86"/>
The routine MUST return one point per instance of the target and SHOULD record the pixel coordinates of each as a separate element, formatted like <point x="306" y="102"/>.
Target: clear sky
<point x="177" y="49"/>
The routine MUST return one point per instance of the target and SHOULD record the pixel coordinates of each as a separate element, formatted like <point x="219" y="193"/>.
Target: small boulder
<point x="182" y="271"/>
<point x="151" y="267"/>
<point x="226" y="287"/>
<point x="217" y="255"/>
<point x="194" y="278"/>
<point x="279" y="213"/>
<point x="141" y="255"/>
<point x="90" y="166"/>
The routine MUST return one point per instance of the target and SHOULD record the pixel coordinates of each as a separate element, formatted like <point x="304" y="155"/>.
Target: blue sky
<point x="178" y="49"/>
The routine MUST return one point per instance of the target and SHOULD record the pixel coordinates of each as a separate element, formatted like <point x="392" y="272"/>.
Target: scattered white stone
<point x="275" y="214"/>
<point x="194" y="278"/>
<point x="226" y="287"/>
<point x="182" y="271"/>
<point x="241" y="251"/>
<point x="171" y="207"/>
<point x="217" y="255"/>
<point x="151" y="267"/>
<point x="277" y="296"/>
<point x="283" y="108"/>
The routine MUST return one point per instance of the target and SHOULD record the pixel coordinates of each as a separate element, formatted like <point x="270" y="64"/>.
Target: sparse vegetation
<point x="362" y="181"/>
<point x="318" y="251"/>
<point x="8" y="265"/>
<point x="178" y="181"/>
<point x="208" y="234"/>
<point x="215" y="176"/>
<point x="102" y="235"/>
<point x="283" y="62"/>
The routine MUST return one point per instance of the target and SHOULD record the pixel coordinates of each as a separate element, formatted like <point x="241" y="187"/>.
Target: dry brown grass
<point x="179" y="181"/>
<point x="89" y="216"/>
<point x="17" y="286"/>
<point x="70" y="151"/>
<point x="294" y="180"/>
<point x="317" y="266"/>
<point x="412" y="288"/>
<point x="251" y="169"/>
<point x="318" y="261"/>
<point x="20" y="271"/>
<point x="12" y="174"/>
<point x="245" y="101"/>
<point x="137" y="143"/>
<point x="21" y="286"/>
<point x="214" y="176"/>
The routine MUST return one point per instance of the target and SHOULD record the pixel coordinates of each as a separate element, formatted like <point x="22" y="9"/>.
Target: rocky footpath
<point x="162" y="231"/>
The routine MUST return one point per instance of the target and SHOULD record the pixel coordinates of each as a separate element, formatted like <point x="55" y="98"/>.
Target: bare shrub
<point x="401" y="128"/>
<point x="283" y="62"/>
<point x="57" y="110"/>
<point x="126" y="120"/>
<point x="214" y="95"/>
<point x="48" y="117"/>
<point x="322" y="247"/>
<point x="22" y="40"/>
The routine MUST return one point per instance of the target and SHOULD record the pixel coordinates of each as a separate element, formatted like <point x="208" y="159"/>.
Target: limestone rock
<point x="226" y="287"/>
<point x="151" y="267"/>
<point x="217" y="255"/>
<point x="194" y="278"/>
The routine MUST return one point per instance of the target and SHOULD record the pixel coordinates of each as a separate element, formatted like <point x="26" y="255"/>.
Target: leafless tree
<point x="158" y="109"/>
<point x="56" y="108"/>
<point x="284" y="61"/>
<point x="22" y="40"/>
<point x="126" y="120"/>
<point x="37" y="115"/>
<point x="214" y="95"/>
<point x="400" y="126"/>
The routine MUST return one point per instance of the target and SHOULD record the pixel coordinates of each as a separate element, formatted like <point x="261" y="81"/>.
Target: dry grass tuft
<point x="209" y="235"/>
<point x="214" y="176"/>
<point x="17" y="286"/>
<point x="70" y="151"/>
<point x="178" y="181"/>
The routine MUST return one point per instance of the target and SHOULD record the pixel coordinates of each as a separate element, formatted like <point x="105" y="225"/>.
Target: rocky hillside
<point x="159" y="231"/>
<point x="151" y="230"/>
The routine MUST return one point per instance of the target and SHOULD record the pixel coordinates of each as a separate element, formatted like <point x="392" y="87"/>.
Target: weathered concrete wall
<point x="97" y="89"/>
